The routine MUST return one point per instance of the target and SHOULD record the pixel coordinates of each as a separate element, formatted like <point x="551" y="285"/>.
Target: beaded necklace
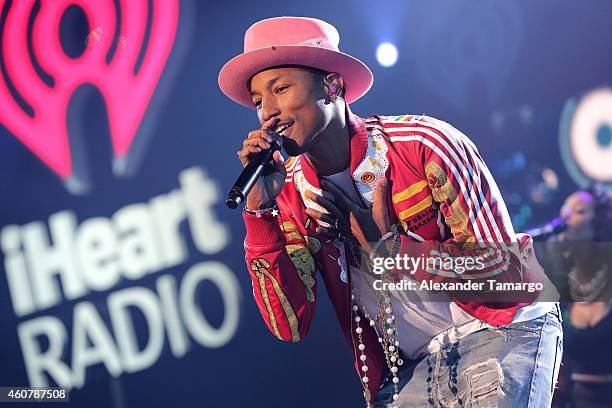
<point x="388" y="340"/>
<point x="588" y="292"/>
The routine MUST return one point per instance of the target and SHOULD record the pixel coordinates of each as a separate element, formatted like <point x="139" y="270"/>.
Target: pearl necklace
<point x="389" y="339"/>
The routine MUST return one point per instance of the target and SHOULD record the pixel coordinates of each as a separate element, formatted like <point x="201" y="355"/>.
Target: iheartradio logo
<point x="127" y="48"/>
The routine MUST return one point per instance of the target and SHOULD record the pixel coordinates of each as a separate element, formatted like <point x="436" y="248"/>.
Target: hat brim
<point x="235" y="74"/>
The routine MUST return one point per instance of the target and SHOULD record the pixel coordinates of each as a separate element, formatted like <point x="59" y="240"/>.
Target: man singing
<point x="354" y="190"/>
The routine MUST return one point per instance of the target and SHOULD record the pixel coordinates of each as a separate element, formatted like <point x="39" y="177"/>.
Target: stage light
<point x="586" y="137"/>
<point x="550" y="178"/>
<point x="386" y="54"/>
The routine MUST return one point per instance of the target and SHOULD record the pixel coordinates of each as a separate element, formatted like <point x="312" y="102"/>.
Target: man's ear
<point x="334" y="84"/>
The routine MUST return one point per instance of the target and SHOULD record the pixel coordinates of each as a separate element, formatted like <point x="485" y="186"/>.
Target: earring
<point x="333" y="90"/>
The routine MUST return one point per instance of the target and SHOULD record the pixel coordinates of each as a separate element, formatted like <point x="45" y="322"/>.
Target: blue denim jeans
<point x="512" y="366"/>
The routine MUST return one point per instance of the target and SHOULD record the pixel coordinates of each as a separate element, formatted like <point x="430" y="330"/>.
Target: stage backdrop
<point x="122" y="271"/>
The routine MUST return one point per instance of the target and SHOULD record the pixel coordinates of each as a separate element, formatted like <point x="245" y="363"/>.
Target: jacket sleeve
<point x="282" y="270"/>
<point x="474" y="221"/>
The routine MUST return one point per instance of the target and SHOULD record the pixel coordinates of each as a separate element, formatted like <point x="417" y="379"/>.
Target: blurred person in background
<point x="583" y="254"/>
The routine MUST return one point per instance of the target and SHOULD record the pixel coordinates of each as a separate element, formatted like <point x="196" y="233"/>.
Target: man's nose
<point x="268" y="110"/>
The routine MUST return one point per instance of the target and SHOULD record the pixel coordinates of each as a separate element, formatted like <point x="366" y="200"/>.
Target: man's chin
<point x="291" y="147"/>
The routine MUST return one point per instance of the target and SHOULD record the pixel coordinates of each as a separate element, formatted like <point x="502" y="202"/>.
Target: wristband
<point x="396" y="233"/>
<point x="379" y="243"/>
<point x="260" y="213"/>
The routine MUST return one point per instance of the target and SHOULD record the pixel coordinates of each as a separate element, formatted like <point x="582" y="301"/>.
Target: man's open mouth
<point x="282" y="127"/>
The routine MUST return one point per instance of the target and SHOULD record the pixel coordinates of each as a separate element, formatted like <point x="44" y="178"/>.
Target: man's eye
<point x="281" y="89"/>
<point x="257" y="103"/>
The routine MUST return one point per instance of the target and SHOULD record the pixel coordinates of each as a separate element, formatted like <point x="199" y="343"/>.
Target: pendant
<point x="367" y="395"/>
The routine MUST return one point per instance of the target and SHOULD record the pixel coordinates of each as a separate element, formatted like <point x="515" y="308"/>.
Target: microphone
<point x="545" y="231"/>
<point x="251" y="173"/>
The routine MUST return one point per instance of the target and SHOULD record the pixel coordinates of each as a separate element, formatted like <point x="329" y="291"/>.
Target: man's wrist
<point x="260" y="207"/>
<point x="381" y="247"/>
<point x="271" y="210"/>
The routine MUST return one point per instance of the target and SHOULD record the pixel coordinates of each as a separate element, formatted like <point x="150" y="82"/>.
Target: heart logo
<point x="124" y="62"/>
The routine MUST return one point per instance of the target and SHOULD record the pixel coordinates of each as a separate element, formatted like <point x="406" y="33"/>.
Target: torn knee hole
<point x="486" y="380"/>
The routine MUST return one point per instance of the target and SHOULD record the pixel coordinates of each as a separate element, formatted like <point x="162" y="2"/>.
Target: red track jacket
<point x="439" y="189"/>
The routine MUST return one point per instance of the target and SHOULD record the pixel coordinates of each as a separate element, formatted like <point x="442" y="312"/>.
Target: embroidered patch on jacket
<point x="291" y="231"/>
<point x="368" y="177"/>
<point x="372" y="168"/>
<point x="305" y="266"/>
<point x="420" y="220"/>
<point x="417" y="208"/>
<point x="260" y="267"/>
<point x="409" y="192"/>
<point x="300" y="252"/>
<point x="443" y="192"/>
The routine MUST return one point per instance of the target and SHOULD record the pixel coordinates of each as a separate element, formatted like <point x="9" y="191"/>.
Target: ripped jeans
<point x="512" y="366"/>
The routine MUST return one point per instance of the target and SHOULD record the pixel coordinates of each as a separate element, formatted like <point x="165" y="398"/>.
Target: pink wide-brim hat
<point x="300" y="41"/>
